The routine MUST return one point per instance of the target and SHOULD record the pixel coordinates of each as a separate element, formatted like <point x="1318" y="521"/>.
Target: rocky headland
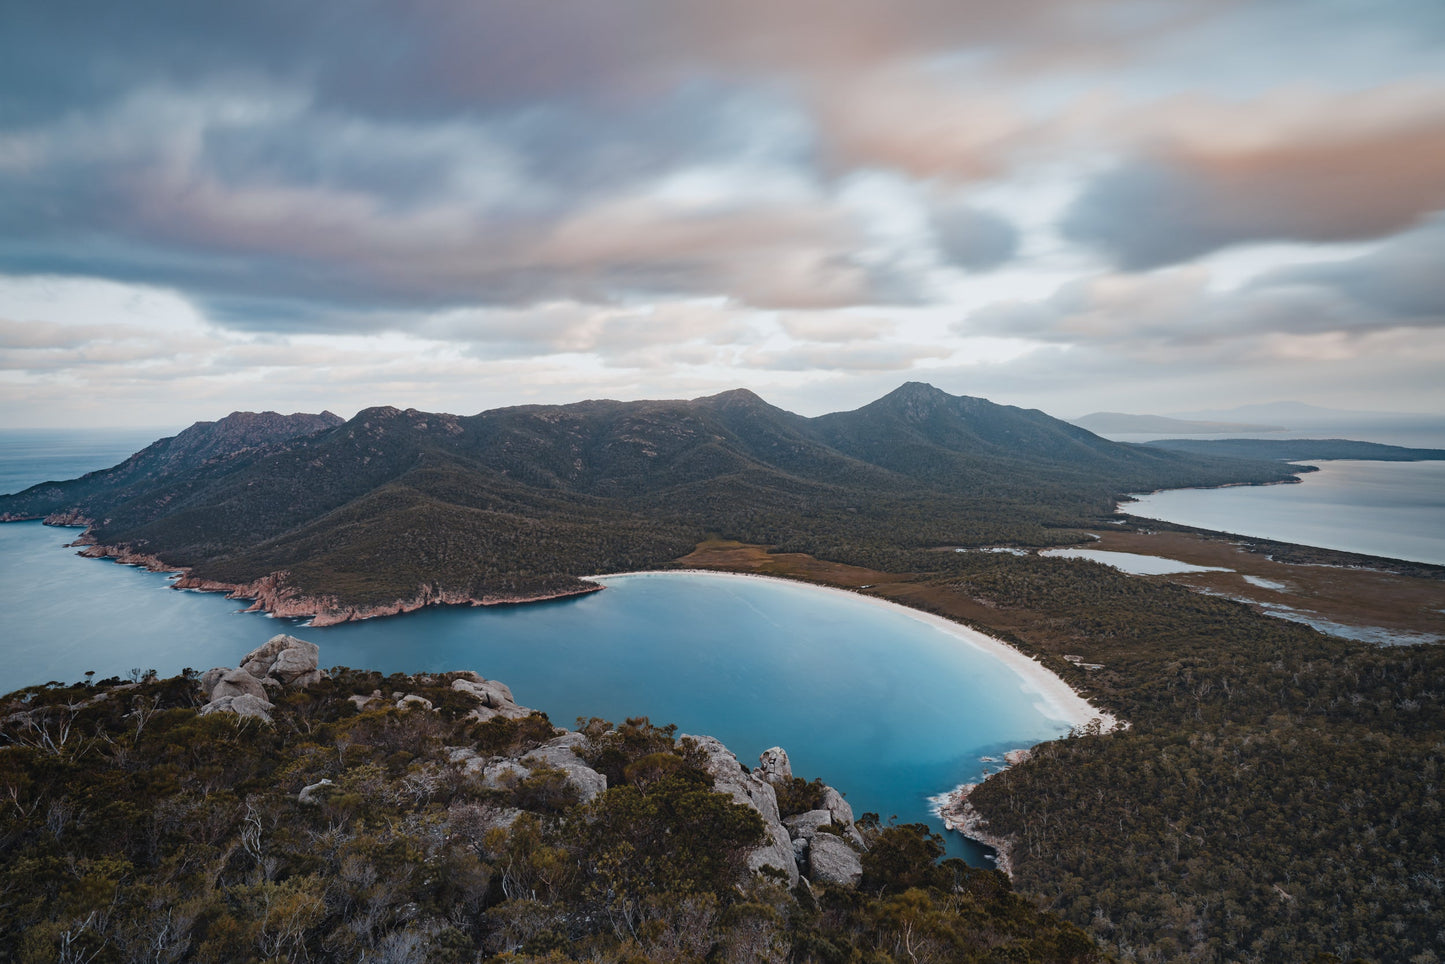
<point x="822" y="844"/>
<point x="273" y="594"/>
<point x="277" y="811"/>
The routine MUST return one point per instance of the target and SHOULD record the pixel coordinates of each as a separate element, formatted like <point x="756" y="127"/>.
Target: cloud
<point x="832" y="327"/>
<point x="1400" y="281"/>
<point x="1312" y="167"/>
<point x="886" y="357"/>
<point x="1168" y="311"/>
<point x="688" y="333"/>
<point x="971" y="238"/>
<point x="216" y="190"/>
<point x="1302" y="312"/>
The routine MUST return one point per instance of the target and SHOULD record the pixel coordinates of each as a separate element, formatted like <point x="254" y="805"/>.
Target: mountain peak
<point x="915" y="401"/>
<point x="734" y="396"/>
<point x="918" y="390"/>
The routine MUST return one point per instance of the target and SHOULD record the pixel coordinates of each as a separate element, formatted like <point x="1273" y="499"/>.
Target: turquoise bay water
<point x="1391" y="509"/>
<point x="886" y="707"/>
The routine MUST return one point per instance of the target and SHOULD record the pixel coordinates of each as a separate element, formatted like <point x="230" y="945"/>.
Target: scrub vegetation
<point x="134" y="829"/>
<point x="1277" y="795"/>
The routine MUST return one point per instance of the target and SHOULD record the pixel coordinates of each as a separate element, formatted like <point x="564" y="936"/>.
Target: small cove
<point x="881" y="704"/>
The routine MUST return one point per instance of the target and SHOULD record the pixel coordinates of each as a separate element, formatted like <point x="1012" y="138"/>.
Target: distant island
<point x="1118" y="423"/>
<point x="394" y="510"/>
<point x="1291" y="450"/>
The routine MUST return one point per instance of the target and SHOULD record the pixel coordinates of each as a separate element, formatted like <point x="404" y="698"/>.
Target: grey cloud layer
<point x="1186" y="201"/>
<point x="1172" y="311"/>
<point x="331" y="166"/>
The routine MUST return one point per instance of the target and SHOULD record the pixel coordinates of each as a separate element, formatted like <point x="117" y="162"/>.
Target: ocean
<point x="31" y="456"/>
<point x="1391" y="509"/>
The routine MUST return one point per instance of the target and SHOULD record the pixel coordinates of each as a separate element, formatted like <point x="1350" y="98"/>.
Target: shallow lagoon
<point x="883" y="705"/>
<point x="1133" y="563"/>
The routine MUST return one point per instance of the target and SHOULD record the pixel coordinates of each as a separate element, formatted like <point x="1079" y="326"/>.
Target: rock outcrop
<point x="286" y="660"/>
<point x="222" y="682"/>
<point x="832" y="861"/>
<point x="561" y="754"/>
<point x="282" y="661"/>
<point x="312" y="795"/>
<point x="243" y="705"/>
<point x="751" y="790"/>
<point x="493" y="698"/>
<point x="825" y="842"/>
<point x="774" y="766"/>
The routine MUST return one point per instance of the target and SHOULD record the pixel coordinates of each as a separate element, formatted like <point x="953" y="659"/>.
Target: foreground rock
<point x="286" y="660"/>
<point x="243" y="705"/>
<point x="775" y="766"/>
<point x="822" y="844"/>
<point x="832" y="861"/>
<point x="751" y="790"/>
<point x="282" y="661"/>
<point x="826" y="843"/>
<point x="222" y="682"/>
<point x="493" y="698"/>
<point x="561" y="754"/>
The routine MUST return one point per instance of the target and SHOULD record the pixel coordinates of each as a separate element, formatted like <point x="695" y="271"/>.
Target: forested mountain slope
<point x="517" y="502"/>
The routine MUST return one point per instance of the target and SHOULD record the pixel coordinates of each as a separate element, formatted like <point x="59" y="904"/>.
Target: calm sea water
<point x="886" y="707"/>
<point x="1391" y="509"/>
<point x="31" y="456"/>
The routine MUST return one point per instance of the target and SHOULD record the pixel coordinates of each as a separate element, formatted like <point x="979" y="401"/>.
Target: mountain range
<point x="515" y="503"/>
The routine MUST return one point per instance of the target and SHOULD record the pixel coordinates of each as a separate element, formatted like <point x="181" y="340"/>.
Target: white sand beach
<point x="1055" y="698"/>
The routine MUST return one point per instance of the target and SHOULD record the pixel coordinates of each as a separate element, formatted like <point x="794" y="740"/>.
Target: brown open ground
<point x="1352" y="596"/>
<point x="1413" y="605"/>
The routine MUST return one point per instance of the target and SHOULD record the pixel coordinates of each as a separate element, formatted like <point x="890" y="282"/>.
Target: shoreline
<point x="270" y="595"/>
<point x="1051" y="695"/>
<point x="1056" y="699"/>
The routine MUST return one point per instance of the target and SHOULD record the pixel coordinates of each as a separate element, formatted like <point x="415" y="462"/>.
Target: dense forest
<point x="352" y="828"/>
<point x="1277" y="795"/>
<point x="521" y="501"/>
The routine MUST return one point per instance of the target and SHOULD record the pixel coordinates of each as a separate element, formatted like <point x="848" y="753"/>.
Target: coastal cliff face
<point x="274" y="593"/>
<point x="277" y="811"/>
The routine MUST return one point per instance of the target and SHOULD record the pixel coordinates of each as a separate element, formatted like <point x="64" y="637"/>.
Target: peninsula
<point x="394" y="510"/>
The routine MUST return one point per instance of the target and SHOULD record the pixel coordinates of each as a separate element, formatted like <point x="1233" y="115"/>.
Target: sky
<point x="454" y="205"/>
